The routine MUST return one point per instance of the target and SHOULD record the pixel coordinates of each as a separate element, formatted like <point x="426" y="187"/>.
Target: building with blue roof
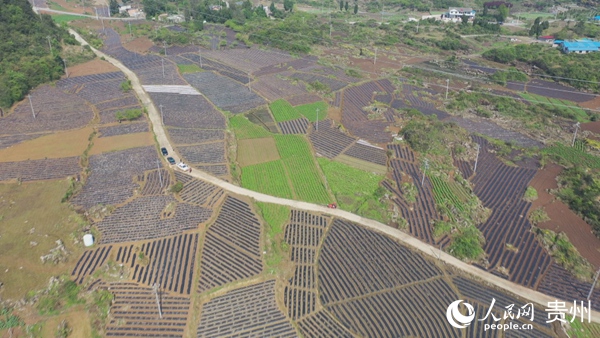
<point x="580" y="47"/>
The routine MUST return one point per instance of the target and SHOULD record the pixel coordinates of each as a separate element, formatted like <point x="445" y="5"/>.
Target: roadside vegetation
<point x="275" y="217"/>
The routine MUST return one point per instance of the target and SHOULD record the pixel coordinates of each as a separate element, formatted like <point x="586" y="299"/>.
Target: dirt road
<point x="404" y="238"/>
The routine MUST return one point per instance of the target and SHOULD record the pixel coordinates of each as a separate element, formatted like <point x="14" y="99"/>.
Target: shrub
<point x="530" y="194"/>
<point x="128" y="115"/>
<point x="126" y="86"/>
<point x="538" y="216"/>
<point x="177" y="187"/>
<point x="467" y="244"/>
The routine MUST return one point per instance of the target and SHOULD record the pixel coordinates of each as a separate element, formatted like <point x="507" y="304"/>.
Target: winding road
<point x="400" y="236"/>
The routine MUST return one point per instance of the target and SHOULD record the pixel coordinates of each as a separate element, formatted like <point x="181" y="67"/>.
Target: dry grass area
<point x="77" y="318"/>
<point x="255" y="151"/>
<point x="64" y="144"/>
<point x="95" y="66"/>
<point x="121" y="142"/>
<point x="138" y="45"/>
<point x="360" y="164"/>
<point x="33" y="219"/>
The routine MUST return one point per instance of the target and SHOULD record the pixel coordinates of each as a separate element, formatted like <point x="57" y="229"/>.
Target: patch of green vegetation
<point x="538" y="216"/>
<point x="570" y="156"/>
<point x="283" y="111"/>
<point x="62" y="295"/>
<point x="244" y="129"/>
<point x="580" y="189"/>
<point x="126" y="86"/>
<point x="318" y="87"/>
<point x="128" y="115"/>
<point x="565" y="254"/>
<point x="511" y="74"/>
<point x="8" y="319"/>
<point x="530" y="194"/>
<point x="176" y="188"/>
<point x="269" y="178"/>
<point x="409" y="191"/>
<point x="64" y="18"/>
<point x="441" y="228"/>
<point x="569" y="108"/>
<point x="275" y="217"/>
<point x="193" y="68"/>
<point x="467" y="243"/>
<point x="98" y="307"/>
<point x="307" y="180"/>
<point x="582" y="329"/>
<point x="356" y="190"/>
<point x="310" y="110"/>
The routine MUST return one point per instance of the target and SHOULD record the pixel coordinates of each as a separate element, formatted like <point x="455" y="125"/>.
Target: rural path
<point x="406" y="239"/>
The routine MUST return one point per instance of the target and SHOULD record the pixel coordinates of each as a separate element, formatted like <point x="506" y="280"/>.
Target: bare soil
<point x="592" y="104"/>
<point x="594" y="127"/>
<point x="563" y="219"/>
<point x="58" y="145"/>
<point x="255" y="151"/>
<point x="121" y="142"/>
<point x="95" y="66"/>
<point x="138" y="45"/>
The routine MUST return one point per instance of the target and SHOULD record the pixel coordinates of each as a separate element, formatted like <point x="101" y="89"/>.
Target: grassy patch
<point x="244" y="129"/>
<point x="564" y="253"/>
<point x="355" y="190"/>
<point x="61" y="18"/>
<point x="283" y="111"/>
<point x="467" y="244"/>
<point x="257" y="150"/>
<point x="307" y="182"/>
<point x="310" y="110"/>
<point x="129" y="114"/>
<point x="275" y="217"/>
<point x="571" y="156"/>
<point x="193" y="68"/>
<point x="579" y="329"/>
<point x="269" y="178"/>
<point x="37" y="206"/>
<point x="538" y="216"/>
<point x="530" y="194"/>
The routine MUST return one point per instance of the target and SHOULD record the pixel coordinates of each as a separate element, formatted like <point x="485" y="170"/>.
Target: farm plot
<point x="269" y="178"/>
<point x="134" y="61"/>
<point x="309" y="110"/>
<point x="107" y="116"/>
<point x="188" y="111"/>
<point x="558" y="91"/>
<point x="111" y="178"/>
<point x="283" y="111"/>
<point x="217" y="169"/>
<point x="194" y="136"/>
<point x="560" y="283"/>
<point x="124" y="128"/>
<point x="306" y="179"/>
<point x="204" y="153"/>
<point x="198" y="192"/>
<point x="396" y="314"/>
<point x="262" y="117"/>
<point x="448" y="193"/>
<point x="155" y="182"/>
<point x="246" y="312"/>
<point x="298" y="126"/>
<point x="156" y="76"/>
<point x="572" y="155"/>
<point x="89" y="261"/>
<point x="297" y="64"/>
<point x="98" y="91"/>
<point x="491" y="129"/>
<point x="255" y="151"/>
<point x="151" y="217"/>
<point x="134" y="312"/>
<point x="212" y="65"/>
<point x="54" y="110"/>
<point x="232" y="246"/>
<point x="249" y="60"/>
<point x="364" y="262"/>
<point x="329" y="141"/>
<point x="170" y="262"/>
<point x="11" y="140"/>
<point x="272" y="88"/>
<point x="303" y="99"/>
<point x="305" y="231"/>
<point x="320" y="324"/>
<point x="367" y="153"/>
<point x="244" y="129"/>
<point x="422" y="212"/>
<point x="45" y="169"/>
<point x="332" y="84"/>
<point x="501" y="188"/>
<point x="127" y="101"/>
<point x="224" y="93"/>
<point x="576" y="113"/>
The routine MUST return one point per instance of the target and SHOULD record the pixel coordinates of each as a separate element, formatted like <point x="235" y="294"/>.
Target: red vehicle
<point x="332" y="206"/>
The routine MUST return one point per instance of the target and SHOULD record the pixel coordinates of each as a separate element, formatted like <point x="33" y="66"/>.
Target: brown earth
<point x="594" y="127"/>
<point x="121" y="142"/>
<point x="138" y="45"/>
<point x="591" y="104"/>
<point x="95" y="66"/>
<point x="563" y="219"/>
<point x="257" y="150"/>
<point x="58" y="145"/>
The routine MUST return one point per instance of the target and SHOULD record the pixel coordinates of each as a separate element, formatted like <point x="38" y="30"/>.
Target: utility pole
<point x="108" y="8"/>
<point x="103" y="30"/>
<point x="156" y="288"/>
<point x="50" y="44"/>
<point x="317" y="119"/>
<point x="418" y="22"/>
<point x="31" y="105"/>
<point x="447" y="84"/>
<point x="162" y="61"/>
<point x="476" y="158"/>
<point x="382" y="12"/>
<point x="593" y="284"/>
<point x="96" y="10"/>
<point x="375" y="59"/>
<point x="165" y="44"/>
<point x="200" y="54"/>
<point x="162" y="117"/>
<point x="159" y="173"/>
<point x="575" y="135"/>
<point x="66" y="70"/>
<point x="249" y="86"/>
<point x="424" y="171"/>
<point x="130" y="34"/>
<point x="330" y="26"/>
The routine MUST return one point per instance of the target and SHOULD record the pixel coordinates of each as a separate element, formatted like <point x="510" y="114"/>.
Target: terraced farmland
<point x="269" y="178"/>
<point x="284" y="111"/>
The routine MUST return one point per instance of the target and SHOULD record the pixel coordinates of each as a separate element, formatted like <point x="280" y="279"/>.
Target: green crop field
<point x="244" y="129"/>
<point x="283" y="111"/>
<point x="183" y="69"/>
<point x="303" y="172"/>
<point x="570" y="106"/>
<point x="310" y="110"/>
<point x="572" y="155"/>
<point x="355" y="190"/>
<point x="445" y="193"/>
<point x="60" y="18"/>
<point x="269" y="178"/>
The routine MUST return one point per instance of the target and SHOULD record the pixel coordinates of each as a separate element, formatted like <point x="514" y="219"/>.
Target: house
<point x="596" y="18"/>
<point x="546" y="38"/>
<point x="124" y="9"/>
<point x="580" y="47"/>
<point x="136" y="13"/>
<point x="457" y="12"/>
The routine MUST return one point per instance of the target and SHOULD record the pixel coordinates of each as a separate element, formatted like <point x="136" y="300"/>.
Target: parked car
<point x="171" y="160"/>
<point x="164" y="151"/>
<point x="183" y="166"/>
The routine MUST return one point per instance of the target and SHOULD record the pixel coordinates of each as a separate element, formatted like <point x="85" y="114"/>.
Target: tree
<point x="272" y="7"/>
<point x="465" y="19"/>
<point x="355" y="8"/>
<point x="288" y="5"/>
<point x="341" y="5"/>
<point x="502" y="13"/>
<point x="114" y="7"/>
<point x="260" y="12"/>
<point x="153" y="7"/>
<point x="538" y="27"/>
<point x="346" y="6"/>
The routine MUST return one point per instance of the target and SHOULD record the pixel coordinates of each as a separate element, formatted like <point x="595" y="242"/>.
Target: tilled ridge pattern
<point x="246" y="312"/>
